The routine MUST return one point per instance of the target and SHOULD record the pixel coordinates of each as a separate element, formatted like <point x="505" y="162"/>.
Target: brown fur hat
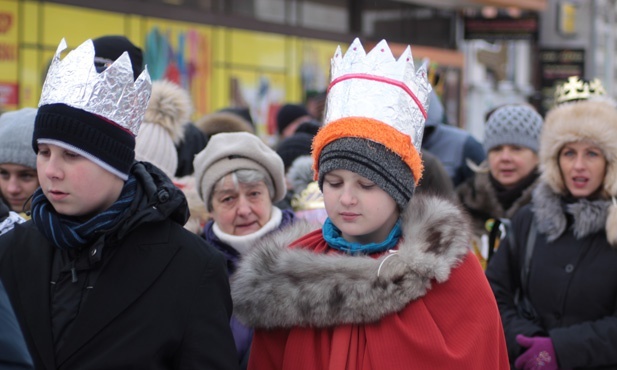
<point x="215" y="123"/>
<point x="592" y="121"/>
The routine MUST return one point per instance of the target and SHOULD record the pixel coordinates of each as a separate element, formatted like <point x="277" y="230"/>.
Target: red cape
<point x="456" y="325"/>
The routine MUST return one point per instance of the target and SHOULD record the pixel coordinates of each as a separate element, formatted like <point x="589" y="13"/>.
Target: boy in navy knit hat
<point x="105" y="276"/>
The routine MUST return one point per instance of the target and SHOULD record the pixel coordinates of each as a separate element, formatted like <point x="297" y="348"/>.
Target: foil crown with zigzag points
<point x="378" y="86"/>
<point x="111" y="94"/>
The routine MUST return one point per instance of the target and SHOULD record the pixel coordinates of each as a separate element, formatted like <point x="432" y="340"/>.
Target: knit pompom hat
<point x="231" y="151"/>
<point x="590" y="121"/>
<point x="517" y="124"/>
<point x="16" y="129"/>
<point x="168" y="110"/>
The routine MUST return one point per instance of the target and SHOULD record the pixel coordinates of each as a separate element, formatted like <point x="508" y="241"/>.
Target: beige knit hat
<point x="230" y="151"/>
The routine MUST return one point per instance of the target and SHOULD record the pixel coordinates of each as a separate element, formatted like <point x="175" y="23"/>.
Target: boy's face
<point x="17" y="184"/>
<point x="358" y="207"/>
<point x="73" y="184"/>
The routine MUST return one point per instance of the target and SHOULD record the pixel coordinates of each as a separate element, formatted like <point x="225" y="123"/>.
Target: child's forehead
<point x="345" y="174"/>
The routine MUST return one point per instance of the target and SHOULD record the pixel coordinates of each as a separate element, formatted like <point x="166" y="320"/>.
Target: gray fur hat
<point x="513" y="124"/>
<point x="16" y="130"/>
<point x="230" y="151"/>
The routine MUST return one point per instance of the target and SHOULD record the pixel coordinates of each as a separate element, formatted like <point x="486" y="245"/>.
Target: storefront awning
<point x="535" y="5"/>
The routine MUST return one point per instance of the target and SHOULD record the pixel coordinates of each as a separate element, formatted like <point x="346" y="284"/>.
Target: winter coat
<point x="425" y="305"/>
<point x="572" y="281"/>
<point x="160" y="299"/>
<point x="243" y="335"/>
<point x="13" y="351"/>
<point x="479" y="198"/>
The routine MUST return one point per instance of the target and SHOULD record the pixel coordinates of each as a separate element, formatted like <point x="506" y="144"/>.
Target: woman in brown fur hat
<point x="556" y="281"/>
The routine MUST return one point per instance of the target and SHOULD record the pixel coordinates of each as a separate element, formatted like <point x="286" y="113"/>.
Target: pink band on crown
<point x="390" y="81"/>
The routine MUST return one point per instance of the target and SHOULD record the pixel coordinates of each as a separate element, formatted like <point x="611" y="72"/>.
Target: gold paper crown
<point x="308" y="199"/>
<point x="377" y="86"/>
<point x="576" y="88"/>
<point x="111" y="94"/>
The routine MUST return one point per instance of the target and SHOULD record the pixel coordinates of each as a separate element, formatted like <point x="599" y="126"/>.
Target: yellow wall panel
<point x="78" y="24"/>
<point x="9" y="54"/>
<point x="30" y="78"/>
<point x="219" y="66"/>
<point x="265" y="50"/>
<point x="30" y="17"/>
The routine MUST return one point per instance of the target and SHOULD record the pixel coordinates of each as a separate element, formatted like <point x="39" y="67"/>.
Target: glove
<point x="540" y="354"/>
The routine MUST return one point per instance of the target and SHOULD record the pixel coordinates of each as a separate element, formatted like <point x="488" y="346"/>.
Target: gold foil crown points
<point x="111" y="94"/>
<point x="576" y="88"/>
<point x="309" y="198"/>
<point x="378" y="86"/>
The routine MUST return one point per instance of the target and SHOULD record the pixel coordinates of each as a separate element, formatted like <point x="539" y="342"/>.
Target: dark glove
<point x="540" y="354"/>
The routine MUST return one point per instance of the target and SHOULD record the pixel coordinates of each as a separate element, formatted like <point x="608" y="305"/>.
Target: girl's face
<point x="358" y="207"/>
<point x="511" y="163"/>
<point x="242" y="209"/>
<point x="17" y="184"/>
<point x="583" y="167"/>
<point x="75" y="185"/>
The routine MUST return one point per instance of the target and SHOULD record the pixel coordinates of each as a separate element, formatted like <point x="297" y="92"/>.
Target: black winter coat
<point x="572" y="284"/>
<point x="161" y="298"/>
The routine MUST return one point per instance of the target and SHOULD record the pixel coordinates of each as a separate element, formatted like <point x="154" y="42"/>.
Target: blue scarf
<point x="67" y="232"/>
<point x="332" y="236"/>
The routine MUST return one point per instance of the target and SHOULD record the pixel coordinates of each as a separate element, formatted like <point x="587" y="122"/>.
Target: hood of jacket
<point x="550" y="212"/>
<point x="156" y="199"/>
<point x="278" y="287"/>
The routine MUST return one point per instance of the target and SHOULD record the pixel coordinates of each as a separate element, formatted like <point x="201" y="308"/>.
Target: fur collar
<point x="588" y="217"/>
<point x="480" y="198"/>
<point x="278" y="287"/>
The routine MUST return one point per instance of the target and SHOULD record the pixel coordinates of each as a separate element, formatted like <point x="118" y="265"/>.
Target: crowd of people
<point x="372" y="235"/>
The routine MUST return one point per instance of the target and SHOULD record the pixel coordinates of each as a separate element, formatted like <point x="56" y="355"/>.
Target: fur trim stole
<point x="588" y="216"/>
<point x="279" y="287"/>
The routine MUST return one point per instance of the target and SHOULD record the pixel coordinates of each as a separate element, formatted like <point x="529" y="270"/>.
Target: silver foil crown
<point x="111" y="94"/>
<point x="376" y="85"/>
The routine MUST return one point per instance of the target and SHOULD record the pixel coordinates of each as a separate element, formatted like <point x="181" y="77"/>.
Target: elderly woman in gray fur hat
<point x="239" y="178"/>
<point x="555" y="281"/>
<point x="504" y="182"/>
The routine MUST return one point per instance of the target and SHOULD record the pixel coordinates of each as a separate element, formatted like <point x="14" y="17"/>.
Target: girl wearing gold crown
<point x="556" y="281"/>
<point x="389" y="282"/>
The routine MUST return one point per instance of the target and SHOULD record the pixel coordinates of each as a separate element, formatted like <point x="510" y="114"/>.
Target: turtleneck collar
<point x="242" y="243"/>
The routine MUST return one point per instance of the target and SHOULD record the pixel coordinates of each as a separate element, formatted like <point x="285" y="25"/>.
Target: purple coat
<point x="242" y="334"/>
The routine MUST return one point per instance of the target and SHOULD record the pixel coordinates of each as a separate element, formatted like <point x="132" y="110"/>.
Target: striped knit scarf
<point x="66" y="232"/>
